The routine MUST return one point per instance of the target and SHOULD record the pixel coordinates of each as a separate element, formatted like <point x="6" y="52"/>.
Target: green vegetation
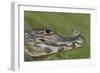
<point x="62" y="23"/>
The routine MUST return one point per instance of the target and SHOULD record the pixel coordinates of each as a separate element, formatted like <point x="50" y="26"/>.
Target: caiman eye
<point x="48" y="31"/>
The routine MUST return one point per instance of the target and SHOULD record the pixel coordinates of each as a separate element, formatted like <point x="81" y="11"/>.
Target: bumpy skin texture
<point x="39" y="42"/>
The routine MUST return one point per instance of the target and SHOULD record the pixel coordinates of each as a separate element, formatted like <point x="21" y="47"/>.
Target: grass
<point x="62" y="23"/>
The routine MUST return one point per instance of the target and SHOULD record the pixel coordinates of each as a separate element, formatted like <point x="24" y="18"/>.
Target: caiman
<point x="39" y="42"/>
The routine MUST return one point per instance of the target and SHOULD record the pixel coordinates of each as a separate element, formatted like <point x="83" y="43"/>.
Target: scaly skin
<point x="41" y="42"/>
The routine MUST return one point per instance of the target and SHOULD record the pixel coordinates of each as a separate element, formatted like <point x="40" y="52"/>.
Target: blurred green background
<point x="62" y="23"/>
